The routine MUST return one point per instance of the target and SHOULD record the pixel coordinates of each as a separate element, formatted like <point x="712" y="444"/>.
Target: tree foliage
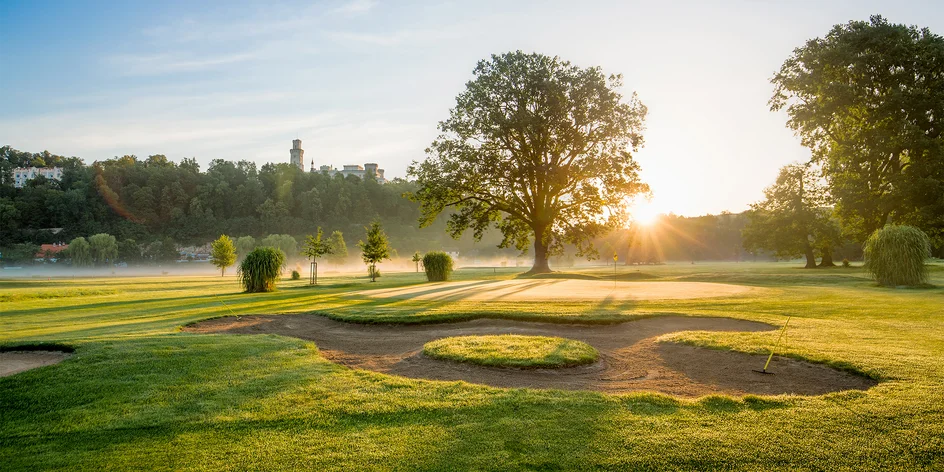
<point x="245" y="245"/>
<point x="339" y="252"/>
<point x="537" y="148"/>
<point x="284" y="242"/>
<point x="895" y="255"/>
<point x="223" y="253"/>
<point x="261" y="269"/>
<point x="375" y="249"/>
<point x="794" y="218"/>
<point x="80" y="252"/>
<point x="315" y="247"/>
<point x="103" y="248"/>
<point x="867" y="99"/>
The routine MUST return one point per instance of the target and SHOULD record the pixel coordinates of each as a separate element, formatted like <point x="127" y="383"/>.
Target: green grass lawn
<point x="512" y="350"/>
<point x="138" y="393"/>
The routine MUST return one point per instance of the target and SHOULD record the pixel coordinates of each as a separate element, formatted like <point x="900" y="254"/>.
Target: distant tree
<point x="867" y="99"/>
<point x="417" y="257"/>
<point x="537" y="148"/>
<point x="162" y="250"/>
<point x="316" y="247"/>
<point x="80" y="252"/>
<point x="339" y="252"/>
<point x="283" y="242"/>
<point x="103" y="247"/>
<point x="375" y="249"/>
<point x="792" y="220"/>
<point x="129" y="251"/>
<point x="223" y="253"/>
<point x="244" y="245"/>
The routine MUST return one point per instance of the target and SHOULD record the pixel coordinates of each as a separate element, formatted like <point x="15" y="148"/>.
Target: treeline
<point x="158" y="203"/>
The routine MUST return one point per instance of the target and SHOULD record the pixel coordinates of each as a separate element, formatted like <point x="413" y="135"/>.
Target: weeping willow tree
<point x="261" y="269"/>
<point x="895" y="255"/>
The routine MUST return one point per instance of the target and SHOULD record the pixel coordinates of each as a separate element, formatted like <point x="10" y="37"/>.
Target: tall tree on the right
<point x="868" y="100"/>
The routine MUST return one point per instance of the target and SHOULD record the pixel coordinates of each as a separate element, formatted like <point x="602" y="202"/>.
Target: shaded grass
<point x="512" y="350"/>
<point x="137" y="394"/>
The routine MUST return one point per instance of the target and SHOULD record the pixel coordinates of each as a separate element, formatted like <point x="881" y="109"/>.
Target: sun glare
<point x="644" y="212"/>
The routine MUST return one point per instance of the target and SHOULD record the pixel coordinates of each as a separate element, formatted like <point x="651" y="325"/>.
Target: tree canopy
<point x="375" y="249"/>
<point x="868" y="99"/>
<point x="223" y="253"/>
<point x="794" y="218"/>
<point x="537" y="148"/>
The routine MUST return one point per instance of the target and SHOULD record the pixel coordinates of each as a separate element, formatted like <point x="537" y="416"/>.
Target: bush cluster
<point x="261" y="269"/>
<point x="438" y="266"/>
<point x="895" y="255"/>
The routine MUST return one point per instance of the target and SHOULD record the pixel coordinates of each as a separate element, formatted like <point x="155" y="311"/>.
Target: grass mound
<point x="512" y="350"/>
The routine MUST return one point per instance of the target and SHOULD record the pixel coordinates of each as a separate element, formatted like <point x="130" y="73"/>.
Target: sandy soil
<point x="557" y="290"/>
<point x="630" y="359"/>
<point x="13" y="362"/>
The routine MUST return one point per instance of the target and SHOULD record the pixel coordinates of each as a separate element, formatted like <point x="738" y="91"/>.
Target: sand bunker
<point x="557" y="290"/>
<point x="12" y="362"/>
<point x="630" y="358"/>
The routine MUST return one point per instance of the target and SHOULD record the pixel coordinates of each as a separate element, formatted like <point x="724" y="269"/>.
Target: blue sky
<point x="367" y="81"/>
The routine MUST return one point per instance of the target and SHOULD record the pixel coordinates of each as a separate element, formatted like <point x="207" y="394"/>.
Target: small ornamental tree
<point x="261" y="269"/>
<point x="80" y="252"/>
<point x="375" y="249"/>
<point x="417" y="257"/>
<point x="438" y="266"/>
<point x="895" y="255"/>
<point x="223" y="253"/>
<point x="315" y="247"/>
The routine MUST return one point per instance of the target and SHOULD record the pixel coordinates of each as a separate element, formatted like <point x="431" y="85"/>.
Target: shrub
<point x="261" y="269"/>
<point x="895" y="255"/>
<point x="845" y="263"/>
<point x="373" y="272"/>
<point x="296" y="275"/>
<point x="438" y="266"/>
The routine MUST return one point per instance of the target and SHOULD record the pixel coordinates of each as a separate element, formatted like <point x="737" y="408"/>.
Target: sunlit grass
<point x="138" y="393"/>
<point x="512" y="350"/>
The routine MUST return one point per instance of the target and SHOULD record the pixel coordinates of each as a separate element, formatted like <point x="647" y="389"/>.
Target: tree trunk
<point x="540" y="253"/>
<point x="827" y="260"/>
<point x="810" y="257"/>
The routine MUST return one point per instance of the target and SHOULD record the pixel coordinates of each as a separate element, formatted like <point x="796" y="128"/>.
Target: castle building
<point x="370" y="168"/>
<point x="21" y="175"/>
<point x="297" y="154"/>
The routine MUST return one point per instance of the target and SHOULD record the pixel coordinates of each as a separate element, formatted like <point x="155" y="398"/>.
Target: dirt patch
<point x="630" y="358"/>
<point x="557" y="290"/>
<point x="13" y="362"/>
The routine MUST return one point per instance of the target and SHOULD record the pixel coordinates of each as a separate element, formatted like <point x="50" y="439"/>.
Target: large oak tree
<point x="537" y="148"/>
<point x="868" y="99"/>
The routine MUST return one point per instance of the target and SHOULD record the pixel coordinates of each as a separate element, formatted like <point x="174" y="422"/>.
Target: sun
<point x="644" y="212"/>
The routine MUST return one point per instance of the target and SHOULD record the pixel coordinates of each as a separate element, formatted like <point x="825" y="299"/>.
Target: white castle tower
<point x="298" y="154"/>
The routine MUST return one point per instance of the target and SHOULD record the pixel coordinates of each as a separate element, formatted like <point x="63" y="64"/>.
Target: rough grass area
<point x="512" y="350"/>
<point x="139" y="394"/>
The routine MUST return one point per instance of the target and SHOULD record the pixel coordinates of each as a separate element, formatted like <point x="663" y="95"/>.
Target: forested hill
<point x="155" y="198"/>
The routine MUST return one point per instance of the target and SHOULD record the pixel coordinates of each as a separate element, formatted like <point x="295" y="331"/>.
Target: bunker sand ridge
<point x="631" y="358"/>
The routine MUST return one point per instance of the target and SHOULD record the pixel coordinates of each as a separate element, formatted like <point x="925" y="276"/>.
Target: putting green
<point x="558" y="290"/>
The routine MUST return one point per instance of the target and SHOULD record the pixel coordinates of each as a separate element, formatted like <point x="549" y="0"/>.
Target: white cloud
<point x="355" y="7"/>
<point x="164" y="63"/>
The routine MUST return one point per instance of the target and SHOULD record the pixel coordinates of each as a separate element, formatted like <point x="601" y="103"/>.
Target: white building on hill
<point x="22" y="175"/>
<point x="296" y="156"/>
